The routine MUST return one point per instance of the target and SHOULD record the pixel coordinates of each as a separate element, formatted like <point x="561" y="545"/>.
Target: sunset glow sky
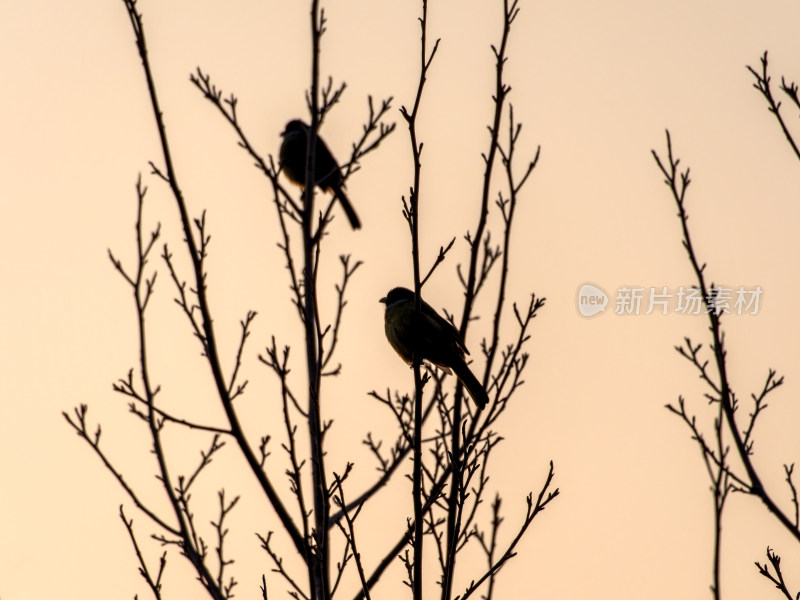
<point x="595" y="84"/>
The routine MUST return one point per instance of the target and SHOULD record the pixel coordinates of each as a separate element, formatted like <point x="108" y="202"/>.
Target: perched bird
<point x="327" y="174"/>
<point x="439" y="342"/>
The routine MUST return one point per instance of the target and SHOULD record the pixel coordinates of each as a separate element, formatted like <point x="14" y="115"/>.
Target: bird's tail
<point x="472" y="384"/>
<point x="348" y="208"/>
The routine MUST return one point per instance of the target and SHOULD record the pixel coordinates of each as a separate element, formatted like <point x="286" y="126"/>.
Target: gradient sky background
<point x="594" y="83"/>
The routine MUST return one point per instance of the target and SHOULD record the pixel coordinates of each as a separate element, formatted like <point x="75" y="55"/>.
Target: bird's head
<point x="294" y="127"/>
<point x="398" y="294"/>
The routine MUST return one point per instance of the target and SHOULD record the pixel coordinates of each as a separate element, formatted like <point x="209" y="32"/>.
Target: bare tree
<point x="449" y="444"/>
<point x="729" y="472"/>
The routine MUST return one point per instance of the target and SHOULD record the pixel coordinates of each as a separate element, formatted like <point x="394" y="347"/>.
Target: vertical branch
<point x="501" y="91"/>
<point x="507" y="207"/>
<point x="412" y="215"/>
<point x="319" y="557"/>
<point x="720" y="490"/>
<point x="491" y="547"/>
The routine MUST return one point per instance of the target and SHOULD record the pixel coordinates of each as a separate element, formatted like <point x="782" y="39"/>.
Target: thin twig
<point x="762" y="84"/>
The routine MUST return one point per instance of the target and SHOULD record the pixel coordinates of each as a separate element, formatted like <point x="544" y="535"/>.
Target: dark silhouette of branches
<point x="205" y="332"/>
<point x="462" y="447"/>
<point x="349" y="533"/>
<point x="153" y="583"/>
<point x="481" y="245"/>
<point x="764" y="85"/>
<point x="411" y="213"/>
<point x="450" y="444"/>
<point x="726" y="430"/>
<point x="542" y="500"/>
<point x="777" y="576"/>
<point x="180" y="529"/>
<point x="456" y="499"/>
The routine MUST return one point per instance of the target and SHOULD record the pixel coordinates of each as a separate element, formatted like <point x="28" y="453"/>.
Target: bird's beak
<point x="382" y="300"/>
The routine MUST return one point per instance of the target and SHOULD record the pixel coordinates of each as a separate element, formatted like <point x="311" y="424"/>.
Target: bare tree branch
<point x="762" y="84"/>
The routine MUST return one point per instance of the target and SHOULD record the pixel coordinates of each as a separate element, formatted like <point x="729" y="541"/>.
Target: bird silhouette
<point x="327" y="174"/>
<point x="437" y="340"/>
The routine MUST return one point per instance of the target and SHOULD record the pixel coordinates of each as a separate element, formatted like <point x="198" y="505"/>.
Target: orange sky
<point x="594" y="83"/>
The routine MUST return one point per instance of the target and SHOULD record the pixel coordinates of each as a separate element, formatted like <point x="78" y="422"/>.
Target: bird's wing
<point x="446" y="328"/>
